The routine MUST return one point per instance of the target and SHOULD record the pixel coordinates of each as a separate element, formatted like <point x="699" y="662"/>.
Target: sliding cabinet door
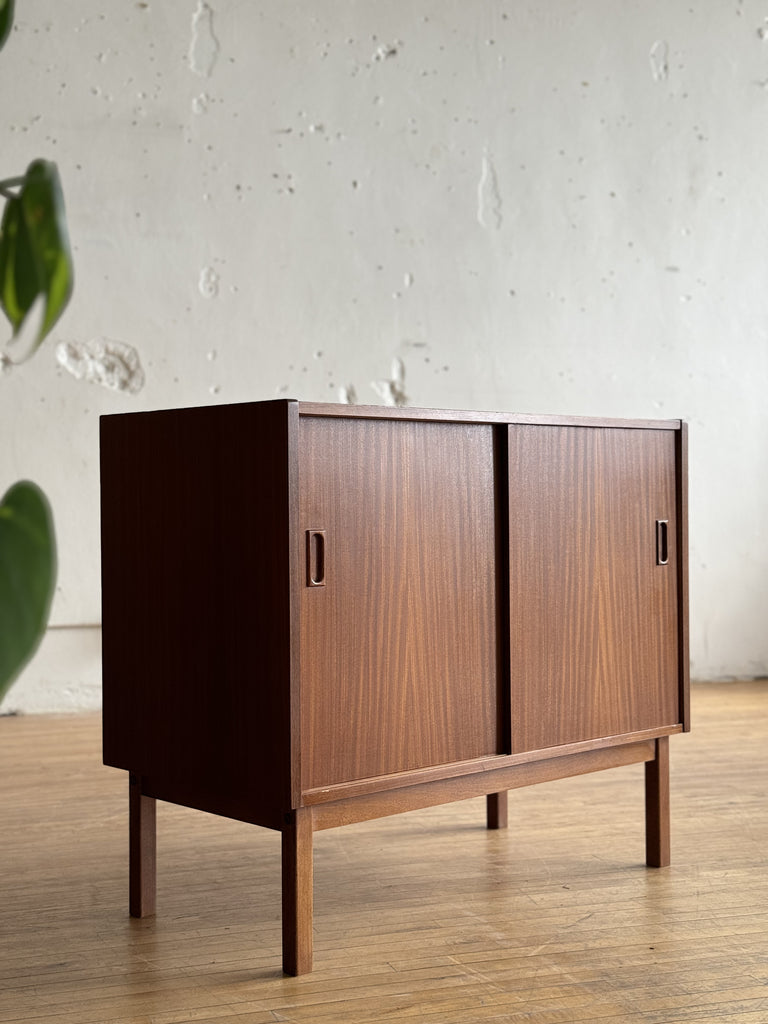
<point x="593" y="587"/>
<point x="399" y="659"/>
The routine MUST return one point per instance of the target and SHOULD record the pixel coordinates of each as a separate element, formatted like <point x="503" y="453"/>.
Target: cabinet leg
<point x="657" y="829"/>
<point x="496" y="807"/>
<point x="297" y="892"/>
<point x="142" y="854"/>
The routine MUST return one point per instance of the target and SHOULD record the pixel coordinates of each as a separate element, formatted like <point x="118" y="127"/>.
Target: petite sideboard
<point x="321" y="614"/>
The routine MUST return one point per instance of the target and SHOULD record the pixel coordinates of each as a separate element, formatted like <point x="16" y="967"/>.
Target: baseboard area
<point x="64" y="675"/>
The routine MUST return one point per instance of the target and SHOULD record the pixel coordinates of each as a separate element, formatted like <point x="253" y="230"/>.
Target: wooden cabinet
<point x="314" y="615"/>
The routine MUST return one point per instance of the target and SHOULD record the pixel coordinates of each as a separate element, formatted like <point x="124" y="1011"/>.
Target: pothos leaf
<point x="35" y="256"/>
<point x="27" y="576"/>
<point x="6" y="20"/>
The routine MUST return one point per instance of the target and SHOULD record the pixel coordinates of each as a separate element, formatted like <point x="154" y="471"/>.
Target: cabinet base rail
<point x="300" y="824"/>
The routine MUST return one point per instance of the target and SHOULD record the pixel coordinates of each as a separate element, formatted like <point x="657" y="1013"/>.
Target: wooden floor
<point x="425" y="917"/>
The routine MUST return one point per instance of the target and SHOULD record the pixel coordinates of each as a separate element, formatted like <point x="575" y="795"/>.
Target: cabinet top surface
<point x="328" y="409"/>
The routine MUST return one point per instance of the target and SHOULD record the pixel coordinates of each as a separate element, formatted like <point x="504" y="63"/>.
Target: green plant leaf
<point x="27" y="576"/>
<point x="6" y="20"/>
<point x="35" y="257"/>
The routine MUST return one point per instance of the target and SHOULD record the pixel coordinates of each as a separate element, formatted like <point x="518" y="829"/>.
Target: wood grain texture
<point x="399" y="657"/>
<point x="423" y="917"/>
<point x="594" y="620"/>
<point x="197" y="548"/>
<point x="397" y="801"/>
<point x="477" y="766"/>
<point x="297" y="892"/>
<point x="380" y="412"/>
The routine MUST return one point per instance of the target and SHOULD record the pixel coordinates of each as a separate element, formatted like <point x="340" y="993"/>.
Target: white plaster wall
<point x="550" y="207"/>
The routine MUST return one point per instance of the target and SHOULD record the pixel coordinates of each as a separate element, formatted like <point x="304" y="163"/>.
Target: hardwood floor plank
<point x="426" y="917"/>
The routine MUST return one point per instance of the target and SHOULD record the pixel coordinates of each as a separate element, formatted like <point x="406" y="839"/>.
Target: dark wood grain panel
<point x="398" y="649"/>
<point x="197" y="544"/>
<point x="594" y="629"/>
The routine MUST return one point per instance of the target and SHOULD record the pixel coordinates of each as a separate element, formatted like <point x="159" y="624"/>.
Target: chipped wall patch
<point x="111" y="364"/>
<point x="204" y="48"/>
<point x="200" y="103"/>
<point x="489" y="213"/>
<point x="387" y="51"/>
<point x="659" y="58"/>
<point x="348" y="395"/>
<point x="208" y="283"/>
<point x="393" y="391"/>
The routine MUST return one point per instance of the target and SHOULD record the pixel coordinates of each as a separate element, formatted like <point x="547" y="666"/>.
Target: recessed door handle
<point x="315" y="558"/>
<point x="662" y="541"/>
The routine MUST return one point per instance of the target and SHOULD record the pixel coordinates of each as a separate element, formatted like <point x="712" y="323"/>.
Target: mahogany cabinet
<point x="321" y="614"/>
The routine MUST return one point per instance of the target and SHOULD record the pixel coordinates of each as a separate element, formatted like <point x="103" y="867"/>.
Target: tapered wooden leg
<point x="657" y="828"/>
<point x="142" y="851"/>
<point x="297" y="892"/>
<point x="496" y="807"/>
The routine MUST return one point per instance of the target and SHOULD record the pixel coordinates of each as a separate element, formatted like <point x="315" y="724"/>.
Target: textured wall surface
<point x="550" y="207"/>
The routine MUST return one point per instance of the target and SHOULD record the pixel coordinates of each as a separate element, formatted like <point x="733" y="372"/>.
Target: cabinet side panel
<point x="682" y="570"/>
<point x="594" y="618"/>
<point x="196" y="624"/>
<point x="399" y="659"/>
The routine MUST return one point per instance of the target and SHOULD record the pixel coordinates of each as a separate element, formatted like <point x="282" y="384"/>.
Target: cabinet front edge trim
<point x="400" y="780"/>
<point x="480" y="417"/>
<point x="347" y="811"/>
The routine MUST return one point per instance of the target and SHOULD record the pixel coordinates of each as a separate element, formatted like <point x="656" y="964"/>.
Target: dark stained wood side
<point x="197" y="529"/>
<point x="399" y="648"/>
<point x="594" y="626"/>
